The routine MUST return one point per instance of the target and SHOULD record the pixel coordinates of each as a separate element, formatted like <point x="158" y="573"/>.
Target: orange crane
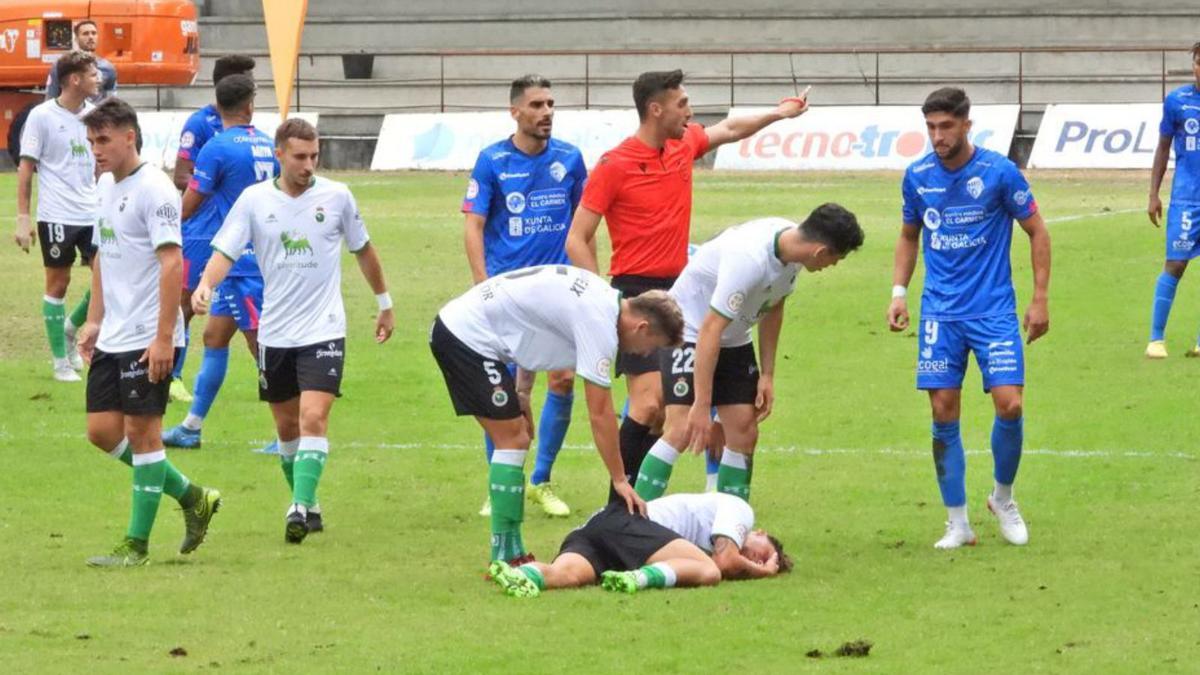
<point x="148" y="41"/>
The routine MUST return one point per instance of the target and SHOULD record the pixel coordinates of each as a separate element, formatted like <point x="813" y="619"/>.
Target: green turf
<point x="1108" y="584"/>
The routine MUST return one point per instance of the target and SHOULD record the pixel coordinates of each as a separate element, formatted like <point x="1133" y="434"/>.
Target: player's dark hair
<point x="1196" y="51"/>
<point x="519" y="85"/>
<point x="662" y="313"/>
<point x="235" y="92"/>
<point x="83" y="23"/>
<point x="77" y="61"/>
<point x="294" y="127"/>
<point x="785" y="561"/>
<point x="234" y="64"/>
<point x="834" y="226"/>
<point x="650" y="85"/>
<point x="113" y="113"/>
<point x="950" y="100"/>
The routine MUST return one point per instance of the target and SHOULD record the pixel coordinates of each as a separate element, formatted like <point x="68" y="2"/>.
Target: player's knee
<point x="710" y="575"/>
<point x="103" y="437"/>
<point x="1175" y="268"/>
<point x="560" y="382"/>
<point x="313" y="422"/>
<point x="1009" y="408"/>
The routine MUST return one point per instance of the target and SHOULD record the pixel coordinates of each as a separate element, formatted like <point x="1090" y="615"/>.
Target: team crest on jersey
<point x="558" y="172"/>
<point x="320" y="214"/>
<point x="736" y="301"/>
<point x="167" y="211"/>
<point x="975" y="187"/>
<point x="515" y="202"/>
<point x="1021" y="197"/>
<point x="187" y="140"/>
<point x="472" y="189"/>
<point x="681" y="387"/>
<point x="499" y="397"/>
<point x="1191" y="125"/>
<point x="933" y="219"/>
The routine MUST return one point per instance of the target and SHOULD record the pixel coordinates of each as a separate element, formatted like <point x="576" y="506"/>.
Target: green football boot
<point x="512" y="581"/>
<point x="619" y="582"/>
<point x="197" y="518"/>
<point x="129" y="553"/>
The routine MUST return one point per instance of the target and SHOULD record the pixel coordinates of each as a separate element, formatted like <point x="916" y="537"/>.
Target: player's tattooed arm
<point x="904" y="262"/>
<point x="734" y="565"/>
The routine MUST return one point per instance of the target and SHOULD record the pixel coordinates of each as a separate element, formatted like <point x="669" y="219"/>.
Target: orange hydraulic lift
<point x="148" y="41"/>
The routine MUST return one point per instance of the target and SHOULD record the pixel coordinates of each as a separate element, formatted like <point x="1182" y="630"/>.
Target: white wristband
<point x="384" y="300"/>
<point x="899" y="292"/>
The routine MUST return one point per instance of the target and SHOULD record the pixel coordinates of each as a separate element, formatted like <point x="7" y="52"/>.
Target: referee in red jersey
<point x="643" y="190"/>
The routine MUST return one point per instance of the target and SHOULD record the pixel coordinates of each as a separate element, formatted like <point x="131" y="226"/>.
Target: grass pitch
<point x="844" y="476"/>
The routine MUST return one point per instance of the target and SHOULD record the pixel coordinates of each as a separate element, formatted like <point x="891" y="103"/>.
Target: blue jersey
<point x="232" y="161"/>
<point x="528" y="202"/>
<point x="199" y="127"/>
<point x="1181" y="121"/>
<point x="966" y="220"/>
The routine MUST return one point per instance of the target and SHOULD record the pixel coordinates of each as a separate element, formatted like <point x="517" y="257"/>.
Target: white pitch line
<point x="1084" y="216"/>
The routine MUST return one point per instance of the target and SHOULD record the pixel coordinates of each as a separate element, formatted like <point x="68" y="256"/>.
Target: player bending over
<point x="737" y="280"/>
<point x="549" y="317"/>
<point x="686" y="540"/>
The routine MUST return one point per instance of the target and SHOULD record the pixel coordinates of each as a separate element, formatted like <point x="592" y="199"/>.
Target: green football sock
<point x="734" y="475"/>
<point x="79" y="314"/>
<point x="655" y="472"/>
<point x="149" y="471"/>
<point x="533" y="575"/>
<point x="658" y="575"/>
<point x="179" y="487"/>
<point x="506" y="486"/>
<point x="54" y="313"/>
<point x="122" y="453"/>
<point x="306" y="473"/>
<point x="287" y="460"/>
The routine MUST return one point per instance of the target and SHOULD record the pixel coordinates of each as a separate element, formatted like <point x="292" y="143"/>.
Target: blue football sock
<point x="488" y="448"/>
<point x="177" y="372"/>
<point x="1164" y="296"/>
<point x="552" y="429"/>
<point x="208" y="382"/>
<point x="950" y="462"/>
<point x="1007" y="437"/>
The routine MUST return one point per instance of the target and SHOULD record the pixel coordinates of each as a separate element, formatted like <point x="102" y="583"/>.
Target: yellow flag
<point x="285" y="24"/>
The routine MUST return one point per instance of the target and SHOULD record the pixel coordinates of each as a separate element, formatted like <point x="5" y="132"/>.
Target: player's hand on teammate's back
<point x="1037" y="320"/>
<point x="159" y="358"/>
<point x="897" y="315"/>
<point x="633" y="502"/>
<point x="25" y="236"/>
<point x="1155" y="210"/>
<point x="699" y="427"/>
<point x="201" y="299"/>
<point x="85" y="341"/>
<point x="384" y="326"/>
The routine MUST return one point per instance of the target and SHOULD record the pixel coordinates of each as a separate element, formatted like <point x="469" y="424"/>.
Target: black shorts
<point x="631" y="286"/>
<point x="615" y="539"/>
<point x="59" y="243"/>
<point x="478" y="386"/>
<point x="284" y="372"/>
<point x="120" y="382"/>
<point x="735" y="379"/>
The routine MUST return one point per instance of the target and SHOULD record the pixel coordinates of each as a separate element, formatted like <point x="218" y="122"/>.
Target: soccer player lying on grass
<point x="686" y="540"/>
<point x="735" y="281"/>
<point x="548" y="317"/>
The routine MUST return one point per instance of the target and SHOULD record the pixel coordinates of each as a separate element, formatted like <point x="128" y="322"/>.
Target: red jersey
<point x="645" y="196"/>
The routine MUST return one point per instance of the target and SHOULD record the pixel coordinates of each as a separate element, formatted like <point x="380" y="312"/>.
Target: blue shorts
<point x="240" y="298"/>
<point x="196" y="253"/>
<point x="944" y="345"/>
<point x="1183" y="230"/>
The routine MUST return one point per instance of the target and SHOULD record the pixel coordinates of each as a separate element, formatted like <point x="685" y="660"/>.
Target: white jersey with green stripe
<point x="548" y="317"/>
<point x="56" y="139"/>
<point x="700" y="518"/>
<point x="138" y="216"/>
<point x="737" y="274"/>
<point x="298" y="241"/>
